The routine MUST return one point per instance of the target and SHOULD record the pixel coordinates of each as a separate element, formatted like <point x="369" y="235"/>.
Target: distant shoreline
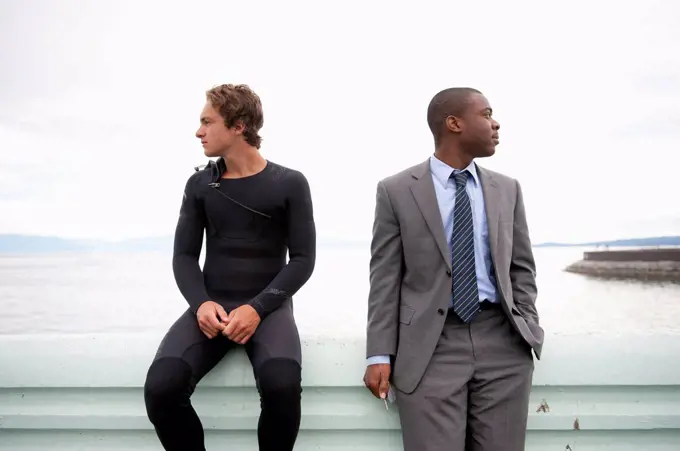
<point x="16" y="243"/>
<point x="623" y="242"/>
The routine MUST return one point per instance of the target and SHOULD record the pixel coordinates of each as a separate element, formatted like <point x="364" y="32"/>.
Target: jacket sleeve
<point x="522" y="265"/>
<point x="385" y="281"/>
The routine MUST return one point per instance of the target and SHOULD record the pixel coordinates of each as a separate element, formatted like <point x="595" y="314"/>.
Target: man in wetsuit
<point x="252" y="212"/>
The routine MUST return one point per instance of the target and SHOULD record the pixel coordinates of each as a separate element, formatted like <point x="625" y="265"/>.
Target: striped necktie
<point x="464" y="288"/>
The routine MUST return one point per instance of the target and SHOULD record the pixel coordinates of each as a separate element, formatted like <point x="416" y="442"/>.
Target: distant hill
<point x="49" y="244"/>
<point x="27" y="243"/>
<point x="15" y="243"/>
<point x="634" y="242"/>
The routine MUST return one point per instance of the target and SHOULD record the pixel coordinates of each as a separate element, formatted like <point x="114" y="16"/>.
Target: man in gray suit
<point x="452" y="319"/>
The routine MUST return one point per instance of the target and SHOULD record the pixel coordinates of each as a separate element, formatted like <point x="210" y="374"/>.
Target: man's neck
<point x="243" y="161"/>
<point x="454" y="157"/>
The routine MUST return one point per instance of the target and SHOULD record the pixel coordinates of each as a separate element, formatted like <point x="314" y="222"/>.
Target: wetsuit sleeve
<point x="187" y="248"/>
<point x="301" y="248"/>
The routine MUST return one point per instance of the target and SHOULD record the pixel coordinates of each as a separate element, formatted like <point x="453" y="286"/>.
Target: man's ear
<point x="453" y="124"/>
<point x="239" y="127"/>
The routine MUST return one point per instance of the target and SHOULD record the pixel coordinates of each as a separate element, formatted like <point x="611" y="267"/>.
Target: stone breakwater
<point x="638" y="264"/>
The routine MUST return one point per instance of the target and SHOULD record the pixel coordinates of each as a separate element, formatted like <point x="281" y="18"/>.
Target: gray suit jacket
<point x="410" y="268"/>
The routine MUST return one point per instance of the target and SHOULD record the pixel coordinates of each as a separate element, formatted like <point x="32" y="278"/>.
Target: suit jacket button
<point x="448" y="272"/>
<point x="440" y="311"/>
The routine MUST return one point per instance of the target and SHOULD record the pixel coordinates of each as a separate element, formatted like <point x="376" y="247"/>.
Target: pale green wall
<point x="84" y="393"/>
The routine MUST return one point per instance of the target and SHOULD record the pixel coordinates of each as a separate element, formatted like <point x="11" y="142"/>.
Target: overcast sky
<point x="99" y="103"/>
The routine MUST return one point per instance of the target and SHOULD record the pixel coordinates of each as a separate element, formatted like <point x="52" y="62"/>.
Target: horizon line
<point x="320" y="238"/>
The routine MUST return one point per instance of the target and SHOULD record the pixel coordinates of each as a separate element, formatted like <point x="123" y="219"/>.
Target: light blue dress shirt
<point x="445" y="191"/>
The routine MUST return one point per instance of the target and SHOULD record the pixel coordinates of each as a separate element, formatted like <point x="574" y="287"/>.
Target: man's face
<point x="479" y="131"/>
<point x="215" y="137"/>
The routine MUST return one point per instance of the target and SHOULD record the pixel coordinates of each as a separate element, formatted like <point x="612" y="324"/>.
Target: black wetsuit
<point x="250" y="223"/>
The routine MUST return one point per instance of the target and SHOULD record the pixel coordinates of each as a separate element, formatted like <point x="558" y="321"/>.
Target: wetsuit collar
<point x="219" y="169"/>
<point x="216" y="168"/>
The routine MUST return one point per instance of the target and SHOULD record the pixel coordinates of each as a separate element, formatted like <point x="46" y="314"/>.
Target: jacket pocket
<point x="406" y="314"/>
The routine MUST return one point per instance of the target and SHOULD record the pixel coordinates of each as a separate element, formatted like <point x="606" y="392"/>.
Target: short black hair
<point x="449" y="102"/>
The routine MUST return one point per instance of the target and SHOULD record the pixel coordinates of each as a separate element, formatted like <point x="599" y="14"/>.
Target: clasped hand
<point x="239" y="325"/>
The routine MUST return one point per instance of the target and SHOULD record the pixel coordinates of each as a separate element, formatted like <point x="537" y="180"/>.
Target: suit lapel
<point x="492" y="206"/>
<point x="423" y="192"/>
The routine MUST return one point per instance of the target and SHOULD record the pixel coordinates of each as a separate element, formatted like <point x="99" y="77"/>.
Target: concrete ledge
<point x="85" y="392"/>
<point x="121" y="360"/>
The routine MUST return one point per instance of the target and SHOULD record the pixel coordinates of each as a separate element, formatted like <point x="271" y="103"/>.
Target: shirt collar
<point x="443" y="171"/>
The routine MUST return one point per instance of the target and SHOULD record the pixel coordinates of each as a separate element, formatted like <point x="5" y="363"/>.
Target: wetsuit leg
<point x="274" y="351"/>
<point x="184" y="356"/>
